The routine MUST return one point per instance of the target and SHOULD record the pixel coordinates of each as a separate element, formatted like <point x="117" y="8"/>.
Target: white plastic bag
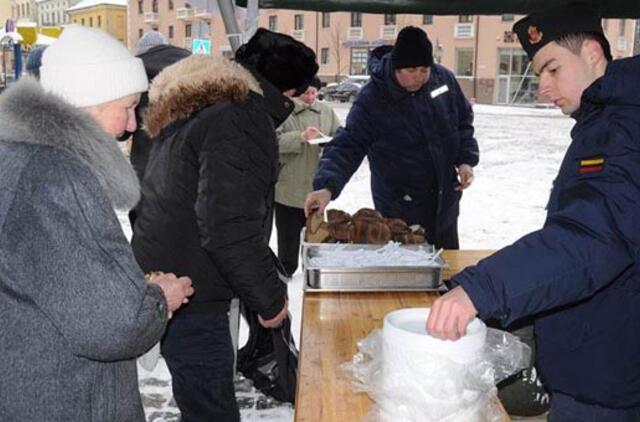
<point x="427" y="387"/>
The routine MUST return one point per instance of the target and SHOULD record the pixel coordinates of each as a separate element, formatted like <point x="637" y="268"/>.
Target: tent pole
<point x="234" y="34"/>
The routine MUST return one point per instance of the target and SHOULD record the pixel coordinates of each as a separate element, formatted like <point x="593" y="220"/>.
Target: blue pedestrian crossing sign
<point x="201" y="47"/>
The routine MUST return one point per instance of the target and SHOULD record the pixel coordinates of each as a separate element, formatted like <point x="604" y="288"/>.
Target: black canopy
<point x="610" y="8"/>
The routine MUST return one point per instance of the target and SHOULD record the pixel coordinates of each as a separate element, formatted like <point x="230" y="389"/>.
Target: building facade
<point x="5" y="12"/>
<point x="482" y="51"/>
<point x="24" y="10"/>
<point x="108" y="15"/>
<point x="53" y="12"/>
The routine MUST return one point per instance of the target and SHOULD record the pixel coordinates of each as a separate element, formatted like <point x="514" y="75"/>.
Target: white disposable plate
<point x="321" y="140"/>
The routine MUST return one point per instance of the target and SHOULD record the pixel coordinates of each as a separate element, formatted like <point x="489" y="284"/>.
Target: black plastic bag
<point x="270" y="358"/>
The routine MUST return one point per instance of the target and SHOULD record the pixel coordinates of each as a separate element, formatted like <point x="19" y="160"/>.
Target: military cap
<point x="540" y="28"/>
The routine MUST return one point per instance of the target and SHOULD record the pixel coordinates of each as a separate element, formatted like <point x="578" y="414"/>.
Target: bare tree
<point x="337" y="37"/>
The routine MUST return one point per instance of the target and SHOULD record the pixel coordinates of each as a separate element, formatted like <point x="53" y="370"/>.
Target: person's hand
<point x="176" y="290"/>
<point x="450" y="315"/>
<point x="277" y="320"/>
<point x="310" y="133"/>
<point x="465" y="175"/>
<point x="317" y="201"/>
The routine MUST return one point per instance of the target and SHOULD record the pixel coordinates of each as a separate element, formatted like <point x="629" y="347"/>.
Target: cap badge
<point x="535" y="36"/>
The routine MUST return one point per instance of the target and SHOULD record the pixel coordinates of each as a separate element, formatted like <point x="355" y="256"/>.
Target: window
<point x="99" y="21"/>
<point x="356" y="19"/>
<point x="154" y="6"/>
<point x="324" y="56"/>
<point x="464" y="61"/>
<point x="359" y="57"/>
<point x="427" y="19"/>
<point x="140" y="11"/>
<point x="170" y="32"/>
<point x="326" y="19"/>
<point x="187" y="30"/>
<point x="465" y="19"/>
<point x="82" y="21"/>
<point x="508" y="18"/>
<point x="170" y="4"/>
<point x="91" y="21"/>
<point x="298" y="22"/>
<point x="273" y="23"/>
<point x="389" y="19"/>
<point x="140" y="33"/>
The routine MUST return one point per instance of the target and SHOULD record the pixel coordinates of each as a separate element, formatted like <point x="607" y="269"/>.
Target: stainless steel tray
<point x="382" y="278"/>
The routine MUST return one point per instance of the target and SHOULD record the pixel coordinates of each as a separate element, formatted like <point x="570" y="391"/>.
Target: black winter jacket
<point x="209" y="183"/>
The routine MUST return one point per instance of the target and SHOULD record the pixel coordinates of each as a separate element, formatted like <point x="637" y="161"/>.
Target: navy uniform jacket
<point x="580" y="274"/>
<point x="413" y="143"/>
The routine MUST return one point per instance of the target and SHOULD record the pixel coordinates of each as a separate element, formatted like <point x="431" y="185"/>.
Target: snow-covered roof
<point x="90" y="3"/>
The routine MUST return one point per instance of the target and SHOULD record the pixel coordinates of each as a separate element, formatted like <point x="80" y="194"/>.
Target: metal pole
<point x="475" y="60"/>
<point x="636" y="42"/>
<point x="234" y="34"/>
<point x="251" y="19"/>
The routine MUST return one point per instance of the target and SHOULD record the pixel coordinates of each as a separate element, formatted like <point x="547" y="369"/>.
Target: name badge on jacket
<point x="439" y="91"/>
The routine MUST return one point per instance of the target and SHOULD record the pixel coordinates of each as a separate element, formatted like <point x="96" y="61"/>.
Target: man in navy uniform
<point x="579" y="275"/>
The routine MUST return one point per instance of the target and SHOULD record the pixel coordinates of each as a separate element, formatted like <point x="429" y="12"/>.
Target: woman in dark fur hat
<point x="206" y="196"/>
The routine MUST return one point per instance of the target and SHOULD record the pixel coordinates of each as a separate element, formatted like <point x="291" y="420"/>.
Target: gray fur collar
<point x="30" y="115"/>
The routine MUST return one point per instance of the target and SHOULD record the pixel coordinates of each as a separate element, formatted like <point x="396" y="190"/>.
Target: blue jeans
<point x="567" y="409"/>
<point x="198" y="351"/>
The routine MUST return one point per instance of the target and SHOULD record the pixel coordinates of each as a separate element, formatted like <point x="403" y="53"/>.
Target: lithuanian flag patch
<point x="591" y="165"/>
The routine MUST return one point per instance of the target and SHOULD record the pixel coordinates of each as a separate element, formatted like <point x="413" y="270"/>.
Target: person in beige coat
<point x="299" y="159"/>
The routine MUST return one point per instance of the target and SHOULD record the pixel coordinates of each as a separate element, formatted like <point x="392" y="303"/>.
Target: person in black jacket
<point x="156" y="54"/>
<point x="415" y="126"/>
<point x="206" y="197"/>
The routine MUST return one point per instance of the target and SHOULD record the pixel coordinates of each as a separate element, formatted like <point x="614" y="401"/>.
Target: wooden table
<point x="332" y="324"/>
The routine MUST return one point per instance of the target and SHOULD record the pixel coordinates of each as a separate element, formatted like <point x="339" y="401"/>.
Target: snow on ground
<point x="520" y="153"/>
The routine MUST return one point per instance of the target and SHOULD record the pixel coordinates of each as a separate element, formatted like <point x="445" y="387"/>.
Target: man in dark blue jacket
<point x="579" y="276"/>
<point x="415" y="126"/>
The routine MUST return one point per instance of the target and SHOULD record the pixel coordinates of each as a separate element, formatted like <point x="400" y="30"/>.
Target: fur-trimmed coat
<point x="75" y="311"/>
<point x="208" y="187"/>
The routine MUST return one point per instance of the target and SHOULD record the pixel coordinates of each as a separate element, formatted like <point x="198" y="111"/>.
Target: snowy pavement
<point x="520" y="153"/>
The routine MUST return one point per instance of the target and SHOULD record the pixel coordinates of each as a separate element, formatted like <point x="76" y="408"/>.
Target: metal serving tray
<point x="382" y="278"/>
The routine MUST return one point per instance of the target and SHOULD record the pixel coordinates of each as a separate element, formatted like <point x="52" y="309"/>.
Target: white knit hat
<point x="86" y="67"/>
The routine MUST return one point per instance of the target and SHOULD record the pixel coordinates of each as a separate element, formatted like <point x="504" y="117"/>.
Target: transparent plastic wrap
<point x="409" y="385"/>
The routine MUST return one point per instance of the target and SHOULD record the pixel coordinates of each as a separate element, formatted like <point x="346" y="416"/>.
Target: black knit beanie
<point x="316" y="83"/>
<point x="412" y="49"/>
<point x="280" y="59"/>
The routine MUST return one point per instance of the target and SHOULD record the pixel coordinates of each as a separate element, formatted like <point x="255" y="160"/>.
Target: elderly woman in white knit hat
<point x="75" y="307"/>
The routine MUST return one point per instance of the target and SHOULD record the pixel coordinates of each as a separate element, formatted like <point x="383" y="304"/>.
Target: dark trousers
<point x="567" y="409"/>
<point x="198" y="351"/>
<point x="448" y="239"/>
<point x="289" y="222"/>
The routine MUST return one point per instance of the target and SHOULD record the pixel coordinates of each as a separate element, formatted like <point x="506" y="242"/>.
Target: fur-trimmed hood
<point x="30" y="115"/>
<point x="192" y="84"/>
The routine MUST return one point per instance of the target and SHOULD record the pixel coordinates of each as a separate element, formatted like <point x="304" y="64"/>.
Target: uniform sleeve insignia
<point x="591" y="165"/>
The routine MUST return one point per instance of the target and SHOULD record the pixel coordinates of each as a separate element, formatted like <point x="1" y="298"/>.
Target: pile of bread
<point x="365" y="226"/>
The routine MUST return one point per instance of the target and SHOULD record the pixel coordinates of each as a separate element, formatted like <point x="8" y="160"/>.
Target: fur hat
<point x="149" y="40"/>
<point x="283" y="61"/>
<point x="412" y="49"/>
<point x="87" y="67"/>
